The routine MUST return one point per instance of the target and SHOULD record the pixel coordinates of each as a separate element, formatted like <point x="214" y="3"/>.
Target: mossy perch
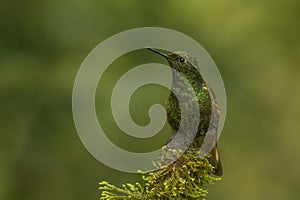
<point x="186" y="178"/>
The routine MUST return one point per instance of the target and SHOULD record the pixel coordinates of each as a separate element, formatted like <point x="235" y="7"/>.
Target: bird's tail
<point x="215" y="161"/>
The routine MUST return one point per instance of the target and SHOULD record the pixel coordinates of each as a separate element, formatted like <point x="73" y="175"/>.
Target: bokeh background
<point x="255" y="44"/>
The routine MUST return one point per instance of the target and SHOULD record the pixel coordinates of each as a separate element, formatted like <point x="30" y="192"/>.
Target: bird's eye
<point x="182" y="60"/>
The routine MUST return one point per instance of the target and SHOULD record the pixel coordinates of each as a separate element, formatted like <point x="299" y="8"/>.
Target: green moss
<point x="186" y="178"/>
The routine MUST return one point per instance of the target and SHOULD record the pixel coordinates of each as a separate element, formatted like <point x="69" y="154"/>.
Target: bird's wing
<point x="211" y="135"/>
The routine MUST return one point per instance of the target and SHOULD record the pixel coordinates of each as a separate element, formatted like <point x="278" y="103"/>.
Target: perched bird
<point x="186" y="70"/>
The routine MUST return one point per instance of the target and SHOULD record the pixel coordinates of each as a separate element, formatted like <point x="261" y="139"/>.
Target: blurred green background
<point x="255" y="44"/>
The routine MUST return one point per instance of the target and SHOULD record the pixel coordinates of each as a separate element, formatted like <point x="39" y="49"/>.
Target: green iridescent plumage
<point x="194" y="78"/>
<point x="186" y="69"/>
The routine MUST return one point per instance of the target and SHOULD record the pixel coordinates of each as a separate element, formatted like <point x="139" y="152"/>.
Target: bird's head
<point x="180" y="61"/>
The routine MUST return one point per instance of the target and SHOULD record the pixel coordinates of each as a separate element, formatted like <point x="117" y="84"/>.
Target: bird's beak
<point x="158" y="52"/>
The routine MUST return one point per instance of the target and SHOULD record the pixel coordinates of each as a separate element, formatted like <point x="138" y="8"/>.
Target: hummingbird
<point x="186" y="67"/>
